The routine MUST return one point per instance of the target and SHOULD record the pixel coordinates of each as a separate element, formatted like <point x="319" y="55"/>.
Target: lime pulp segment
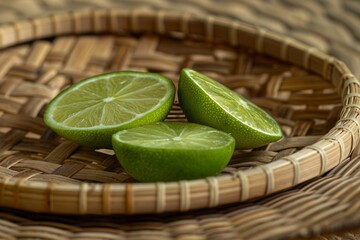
<point x="206" y="101"/>
<point x="240" y="108"/>
<point x="108" y="101"/>
<point x="101" y="105"/>
<point x="173" y="151"/>
<point x="174" y="136"/>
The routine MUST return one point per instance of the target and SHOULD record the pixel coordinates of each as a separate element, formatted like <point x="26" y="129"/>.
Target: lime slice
<point x="90" y="111"/>
<point x="208" y="102"/>
<point x="172" y="151"/>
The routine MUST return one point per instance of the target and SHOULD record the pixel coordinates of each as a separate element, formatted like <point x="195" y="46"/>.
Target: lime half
<point x="208" y="102"/>
<point x="172" y="151"/>
<point x="90" y="111"/>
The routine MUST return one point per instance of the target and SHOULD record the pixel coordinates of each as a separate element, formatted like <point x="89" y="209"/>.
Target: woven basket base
<point x="332" y="25"/>
<point x="326" y="204"/>
<point x="43" y="172"/>
<point x="339" y="20"/>
<point x="306" y="105"/>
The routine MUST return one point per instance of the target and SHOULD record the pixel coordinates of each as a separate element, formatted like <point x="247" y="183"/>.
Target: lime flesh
<point x="90" y="111"/>
<point x="172" y="151"/>
<point x="208" y="102"/>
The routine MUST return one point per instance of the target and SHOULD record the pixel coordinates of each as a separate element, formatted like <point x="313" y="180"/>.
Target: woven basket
<point x="312" y="95"/>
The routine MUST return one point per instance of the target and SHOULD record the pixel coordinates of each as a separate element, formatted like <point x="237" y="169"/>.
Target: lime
<point x="172" y="151"/>
<point x="208" y="102"/>
<point x="90" y="111"/>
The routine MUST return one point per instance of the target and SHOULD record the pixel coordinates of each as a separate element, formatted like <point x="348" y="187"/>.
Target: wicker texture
<point x="41" y="172"/>
<point x="329" y="25"/>
<point x="322" y="205"/>
<point x="20" y="225"/>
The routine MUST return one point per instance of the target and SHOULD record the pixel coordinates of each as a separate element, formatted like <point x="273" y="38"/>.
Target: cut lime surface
<point x="208" y="102"/>
<point x="172" y="151"/>
<point x="90" y="111"/>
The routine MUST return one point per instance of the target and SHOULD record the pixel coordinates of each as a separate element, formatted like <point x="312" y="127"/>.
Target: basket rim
<point x="108" y="195"/>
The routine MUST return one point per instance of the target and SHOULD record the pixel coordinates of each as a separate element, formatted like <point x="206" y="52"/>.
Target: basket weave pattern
<point x="42" y="172"/>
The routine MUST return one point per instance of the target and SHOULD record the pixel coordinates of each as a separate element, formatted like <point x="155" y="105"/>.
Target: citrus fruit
<point x="172" y="151"/>
<point x="206" y="101"/>
<point x="90" y="111"/>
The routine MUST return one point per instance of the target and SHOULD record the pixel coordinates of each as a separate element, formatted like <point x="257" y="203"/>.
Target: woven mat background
<point x="330" y="25"/>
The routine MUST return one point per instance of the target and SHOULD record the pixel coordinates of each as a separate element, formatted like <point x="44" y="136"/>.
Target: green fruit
<point x="208" y="102"/>
<point x="90" y="111"/>
<point x="172" y="151"/>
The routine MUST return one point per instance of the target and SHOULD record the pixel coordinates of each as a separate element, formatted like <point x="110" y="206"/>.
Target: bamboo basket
<point x="313" y="96"/>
